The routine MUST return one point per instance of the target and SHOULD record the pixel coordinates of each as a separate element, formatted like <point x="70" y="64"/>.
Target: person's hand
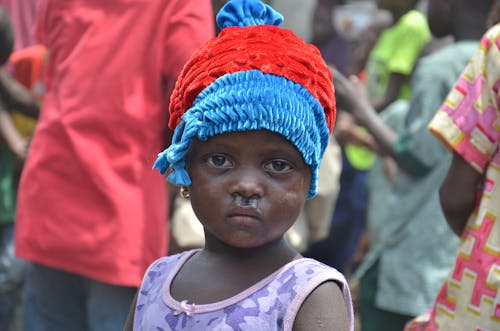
<point x="364" y="245"/>
<point x="344" y="125"/>
<point x="350" y="94"/>
<point x="343" y="90"/>
<point x="11" y="137"/>
<point x="390" y="168"/>
<point x="15" y="96"/>
<point x="20" y="148"/>
<point x="347" y="131"/>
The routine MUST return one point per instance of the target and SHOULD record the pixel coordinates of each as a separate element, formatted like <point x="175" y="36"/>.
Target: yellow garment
<point x="24" y="124"/>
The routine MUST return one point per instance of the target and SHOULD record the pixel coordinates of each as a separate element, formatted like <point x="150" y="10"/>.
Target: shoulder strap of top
<point x="311" y="274"/>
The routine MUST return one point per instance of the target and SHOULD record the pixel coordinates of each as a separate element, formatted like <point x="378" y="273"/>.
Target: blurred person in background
<point x="388" y="57"/>
<point x="13" y="149"/>
<point x="413" y="249"/>
<point x="91" y="214"/>
<point x="465" y="124"/>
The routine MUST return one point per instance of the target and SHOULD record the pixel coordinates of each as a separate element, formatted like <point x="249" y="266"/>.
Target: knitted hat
<point x="252" y="76"/>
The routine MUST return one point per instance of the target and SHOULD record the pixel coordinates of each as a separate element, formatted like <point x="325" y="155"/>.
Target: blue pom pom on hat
<point x="247" y="13"/>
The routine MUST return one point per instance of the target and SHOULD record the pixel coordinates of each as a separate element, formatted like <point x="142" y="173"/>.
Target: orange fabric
<point x="28" y="64"/>
<point x="28" y="69"/>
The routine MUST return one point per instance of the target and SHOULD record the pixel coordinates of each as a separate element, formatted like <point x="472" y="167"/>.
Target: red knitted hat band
<point x="241" y="49"/>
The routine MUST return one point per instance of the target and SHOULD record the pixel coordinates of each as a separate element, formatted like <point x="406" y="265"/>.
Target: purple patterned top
<point x="270" y="304"/>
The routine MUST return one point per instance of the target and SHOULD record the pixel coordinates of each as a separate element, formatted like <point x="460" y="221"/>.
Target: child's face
<point x="248" y="188"/>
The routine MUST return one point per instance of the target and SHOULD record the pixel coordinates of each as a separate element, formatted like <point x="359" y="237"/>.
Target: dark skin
<point x="10" y="136"/>
<point x="457" y="194"/>
<point x="246" y="244"/>
<point x="397" y="8"/>
<point x="396" y="80"/>
<point x="16" y="96"/>
<point x="352" y="96"/>
<point x="494" y="16"/>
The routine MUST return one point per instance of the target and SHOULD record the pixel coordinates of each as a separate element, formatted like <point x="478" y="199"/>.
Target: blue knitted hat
<point x="252" y="76"/>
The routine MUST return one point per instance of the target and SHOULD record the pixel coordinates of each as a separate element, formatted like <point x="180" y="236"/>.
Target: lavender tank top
<point x="270" y="304"/>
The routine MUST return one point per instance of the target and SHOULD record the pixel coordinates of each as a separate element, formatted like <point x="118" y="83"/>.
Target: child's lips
<point x="244" y="217"/>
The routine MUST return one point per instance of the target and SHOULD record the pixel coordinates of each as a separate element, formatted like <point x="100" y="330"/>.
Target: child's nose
<point x="248" y="184"/>
<point x="247" y="202"/>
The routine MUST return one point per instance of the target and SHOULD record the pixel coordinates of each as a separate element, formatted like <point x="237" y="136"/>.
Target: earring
<point x="184" y="192"/>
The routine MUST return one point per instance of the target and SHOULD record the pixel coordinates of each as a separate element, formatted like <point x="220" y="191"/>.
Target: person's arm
<point x="458" y="193"/>
<point x="347" y="131"/>
<point x="323" y="309"/>
<point x="9" y="134"/>
<point x="129" y="324"/>
<point x="396" y="81"/>
<point x="351" y="96"/>
<point x="414" y="150"/>
<point x="16" y="96"/>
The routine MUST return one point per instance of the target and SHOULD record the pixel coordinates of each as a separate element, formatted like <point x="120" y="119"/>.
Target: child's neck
<point x="228" y="270"/>
<point x="278" y="251"/>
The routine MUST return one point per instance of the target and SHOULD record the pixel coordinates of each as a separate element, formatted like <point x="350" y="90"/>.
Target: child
<point x="252" y="111"/>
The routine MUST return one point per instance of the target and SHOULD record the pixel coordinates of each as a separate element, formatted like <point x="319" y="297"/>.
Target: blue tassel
<point x="179" y="177"/>
<point x="161" y="162"/>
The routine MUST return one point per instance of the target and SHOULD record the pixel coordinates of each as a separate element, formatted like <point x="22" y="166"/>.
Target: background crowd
<point x="406" y="211"/>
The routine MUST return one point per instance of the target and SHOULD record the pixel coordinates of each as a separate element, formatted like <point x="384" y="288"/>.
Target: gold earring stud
<point x="184" y="192"/>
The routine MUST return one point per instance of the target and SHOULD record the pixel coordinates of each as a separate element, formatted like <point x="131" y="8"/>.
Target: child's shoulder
<point x="307" y="276"/>
<point x="312" y="271"/>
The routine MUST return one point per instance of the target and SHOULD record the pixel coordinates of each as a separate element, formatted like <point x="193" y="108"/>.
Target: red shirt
<point x="89" y="202"/>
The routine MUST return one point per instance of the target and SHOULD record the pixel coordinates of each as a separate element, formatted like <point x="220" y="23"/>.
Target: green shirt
<point x="397" y="51"/>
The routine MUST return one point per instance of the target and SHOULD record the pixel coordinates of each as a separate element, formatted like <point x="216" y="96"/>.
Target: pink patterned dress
<point x="469" y="123"/>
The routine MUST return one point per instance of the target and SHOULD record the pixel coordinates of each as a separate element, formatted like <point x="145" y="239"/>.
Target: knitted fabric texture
<point x="253" y="76"/>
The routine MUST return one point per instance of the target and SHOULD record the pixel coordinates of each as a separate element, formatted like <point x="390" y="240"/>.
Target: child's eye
<point x="219" y="161"/>
<point x="278" y="166"/>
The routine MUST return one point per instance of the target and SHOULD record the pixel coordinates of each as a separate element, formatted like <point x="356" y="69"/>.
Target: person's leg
<point x="371" y="317"/>
<point x="8" y="301"/>
<point x="29" y="312"/>
<point x="57" y="298"/>
<point x="11" y="276"/>
<point x="108" y="305"/>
